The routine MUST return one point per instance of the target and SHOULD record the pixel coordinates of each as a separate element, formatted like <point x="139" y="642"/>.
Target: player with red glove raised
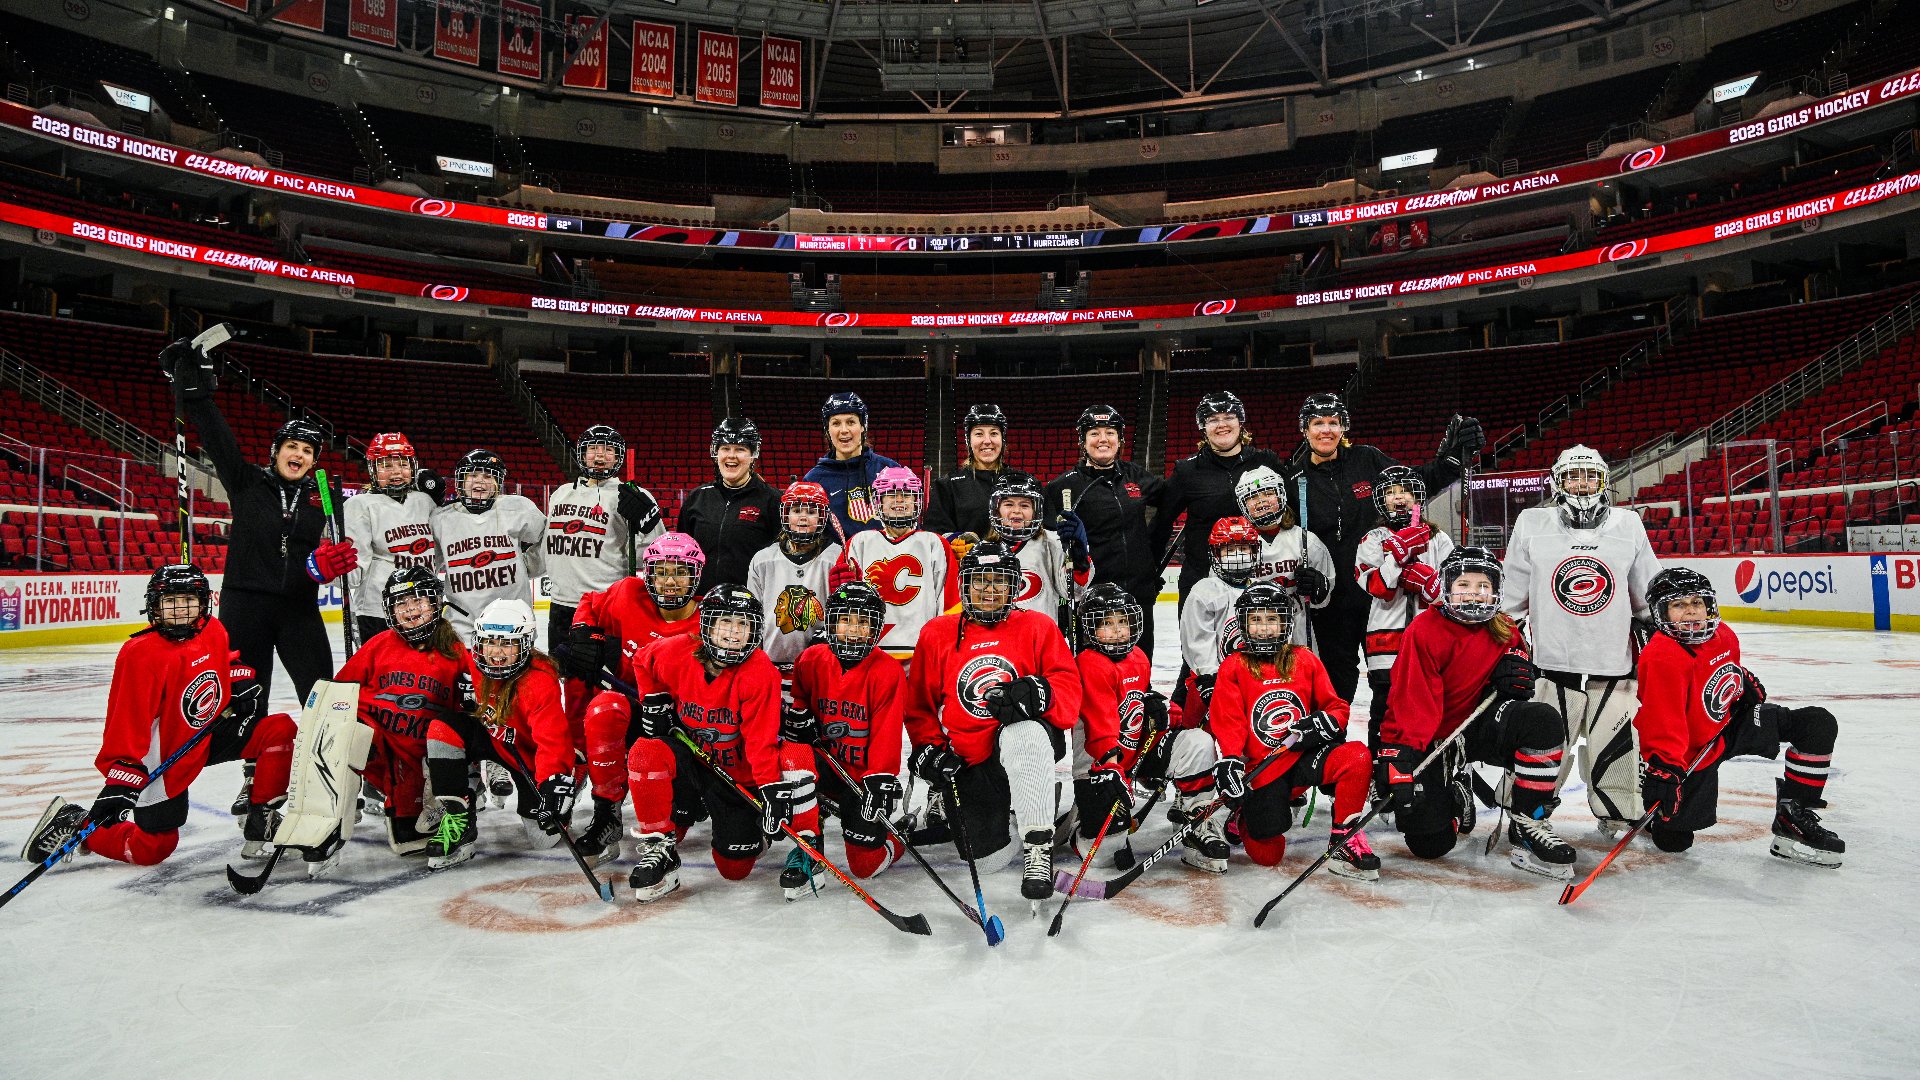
<point x="1398" y="566"/>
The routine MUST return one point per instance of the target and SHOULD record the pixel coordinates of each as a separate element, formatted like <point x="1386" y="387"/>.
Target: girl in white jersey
<point x="597" y="526"/>
<point x="1053" y="570"/>
<point x="1398" y="565"/>
<point x="389" y="526"/>
<point x="911" y="568"/>
<point x="1577" y="570"/>
<point x="489" y="541"/>
<point x="790" y="575"/>
<point x="1290" y="556"/>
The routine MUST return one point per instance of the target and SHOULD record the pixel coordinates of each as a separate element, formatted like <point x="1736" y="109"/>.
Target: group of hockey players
<point x="968" y="663"/>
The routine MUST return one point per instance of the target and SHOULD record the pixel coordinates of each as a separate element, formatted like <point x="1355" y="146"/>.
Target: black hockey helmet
<point x="178" y="579"/>
<point x="846" y="401"/>
<point x="1096" y="416"/>
<point x="729" y="601"/>
<point x="298" y="429"/>
<point x="983" y="414"/>
<point x="735" y="431"/>
<point x="1101" y="603"/>
<point x="1213" y="404"/>
<point x="989" y="562"/>
<point x="598" y="435"/>
<point x="405" y="584"/>
<point x="1398" y="476"/>
<point x="484" y="462"/>
<point x="1016" y="487"/>
<point x="861" y="602"/>
<point x="1678" y="583"/>
<point x="1263" y="596"/>
<point x="1469" y="560"/>
<point x="1324" y="404"/>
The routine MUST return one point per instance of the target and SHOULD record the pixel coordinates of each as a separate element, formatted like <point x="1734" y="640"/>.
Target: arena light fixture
<point x="167" y="14"/>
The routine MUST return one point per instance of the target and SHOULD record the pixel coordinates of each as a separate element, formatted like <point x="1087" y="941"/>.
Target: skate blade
<point x="1351" y="873"/>
<point x="46" y="818"/>
<point x="256" y="849"/>
<point x="454" y="858"/>
<point x="654" y="892"/>
<point x="1201" y="862"/>
<point x="1524" y="860"/>
<point x="804" y="889"/>
<point x="325" y="866"/>
<point x="1612" y="829"/>
<point x="1794" y="851"/>
<point x="601" y="858"/>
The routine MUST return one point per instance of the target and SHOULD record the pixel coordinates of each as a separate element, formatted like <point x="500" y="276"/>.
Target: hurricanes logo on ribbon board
<point x="979" y="675"/>
<point x="1133" y="718"/>
<point x="200" y="701"/>
<point x="1274" y="715"/>
<point x="1583" y="585"/>
<point x="1722" y="689"/>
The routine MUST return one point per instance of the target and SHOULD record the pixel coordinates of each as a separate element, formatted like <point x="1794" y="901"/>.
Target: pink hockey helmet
<point x="892" y="480"/>
<point x="673" y="547"/>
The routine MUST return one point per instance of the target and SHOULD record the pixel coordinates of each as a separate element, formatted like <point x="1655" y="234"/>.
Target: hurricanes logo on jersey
<point x="885" y="575"/>
<point x="1030" y="585"/>
<point x="200" y="701"/>
<point x="1722" y="689"/>
<point x="977" y="676"/>
<point x="1133" y="718"/>
<point x="1230" y="637"/>
<point x="1274" y="715"/>
<point x="1583" y="585"/>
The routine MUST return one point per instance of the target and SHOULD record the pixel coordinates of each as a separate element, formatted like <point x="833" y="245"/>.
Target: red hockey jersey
<point x="536" y="727"/>
<point x="1113" y="700"/>
<point x="735" y="715"/>
<point x="628" y="614"/>
<point x="164" y="692"/>
<point x="858" y="709"/>
<point x="958" y="660"/>
<point x="402" y="688"/>
<point x="1251" y="716"/>
<point x="1687" y="695"/>
<point x="1438" y="678"/>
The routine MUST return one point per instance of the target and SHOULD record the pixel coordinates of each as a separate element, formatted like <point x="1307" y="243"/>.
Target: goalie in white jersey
<point x="1290" y="556"/>
<point x="1053" y="570"/>
<point x="790" y="575"/>
<point x="1577" y="571"/>
<point x="390" y="526"/>
<point x="910" y="568"/>
<point x="596" y="527"/>
<point x="489" y="541"/>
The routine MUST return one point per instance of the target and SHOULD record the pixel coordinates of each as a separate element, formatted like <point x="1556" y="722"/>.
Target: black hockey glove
<point x="1463" y="440"/>
<point x="245" y="703"/>
<point x="1204" y="684"/>
<point x="1311" y="585"/>
<point x="116" y="800"/>
<point x="639" y="512"/>
<point x="1513" y="677"/>
<point x="1110" y="784"/>
<point x="430" y="484"/>
<point x="880" y="793"/>
<point x="1317" y="729"/>
<point x="586" y="654"/>
<point x="1230" y="779"/>
<point x="189" y="370"/>
<point x="1025" y="698"/>
<point x="463" y="689"/>
<point x="1753" y="695"/>
<point x="556" y="798"/>
<point x="1153" y="707"/>
<point x="1073" y="537"/>
<point x="1393" y="776"/>
<point x="798" y="726"/>
<point x="776" y="806"/>
<point x="937" y="765"/>
<point x="655" y="718"/>
<point x="1660" y="789"/>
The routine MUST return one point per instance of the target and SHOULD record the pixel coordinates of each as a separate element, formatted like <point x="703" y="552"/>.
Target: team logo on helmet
<point x="1644" y="159"/>
<point x="979" y="675"/>
<point x="1626" y="249"/>
<point x="1274" y="715"/>
<point x="432" y="207"/>
<point x="200" y="701"/>
<point x="1722" y="689"/>
<point x="1215" y="307"/>
<point x="1133" y="719"/>
<point x="1583" y="585"/>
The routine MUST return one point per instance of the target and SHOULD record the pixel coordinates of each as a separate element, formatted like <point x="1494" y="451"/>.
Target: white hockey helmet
<point x="1255" y="482"/>
<point x="508" y="622"/>
<point x="1586" y="510"/>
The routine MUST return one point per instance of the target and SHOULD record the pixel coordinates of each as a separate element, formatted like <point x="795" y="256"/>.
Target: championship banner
<point x="717" y="69"/>
<point x="375" y="21"/>
<point x="518" y="52"/>
<point x="456" y="32"/>
<point x="653" y="55"/>
<point x="310" y="14"/>
<point x="588" y="68"/>
<point x="780" y="73"/>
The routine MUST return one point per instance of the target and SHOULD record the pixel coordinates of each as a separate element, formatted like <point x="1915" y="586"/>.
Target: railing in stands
<point x="552" y="437"/>
<point x="78" y="409"/>
<point x="1859" y="419"/>
<point x="117" y="494"/>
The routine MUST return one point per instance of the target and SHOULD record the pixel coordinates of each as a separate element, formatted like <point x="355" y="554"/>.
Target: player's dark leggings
<point x="263" y="624"/>
<point x="366" y="626"/>
<point x="1338" y="630"/>
<point x="1808" y="734"/>
<point x="475" y="744"/>
<point x="1380" y="682"/>
<point x="1527" y="736"/>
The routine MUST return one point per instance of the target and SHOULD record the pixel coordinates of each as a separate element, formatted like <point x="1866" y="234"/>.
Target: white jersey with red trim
<point x="1579" y="589"/>
<point x="1280" y="555"/>
<point x="771" y="573"/>
<point x="586" y="538"/>
<point x="1388" y="616"/>
<point x="1209" y="627"/>
<point x="1046" y="578"/>
<point x="388" y="534"/>
<point x="914" y="574"/>
<point x="489" y="556"/>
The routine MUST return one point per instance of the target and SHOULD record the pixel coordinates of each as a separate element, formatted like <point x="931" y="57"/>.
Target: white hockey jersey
<point x="1567" y="584"/>
<point x="1280" y="555"/>
<point x="1209" y="629"/>
<point x="1388" y="616"/>
<point x="1046" y="579"/>
<point x="915" y="575"/>
<point x="769" y="575"/>
<point x="586" y="538"/>
<point x="388" y="534"/>
<point x="490" y="556"/>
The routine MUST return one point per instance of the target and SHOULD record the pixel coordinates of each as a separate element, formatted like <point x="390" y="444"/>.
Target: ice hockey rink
<point x="1720" y="962"/>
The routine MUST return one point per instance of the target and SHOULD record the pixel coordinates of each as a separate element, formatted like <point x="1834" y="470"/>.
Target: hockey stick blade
<point x="247" y="886"/>
<point x="852" y="785"/>
<point x="1053" y="930"/>
<point x="1573" y="890"/>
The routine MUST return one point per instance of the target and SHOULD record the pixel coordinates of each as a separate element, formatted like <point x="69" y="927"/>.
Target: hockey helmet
<point x="859" y="602"/>
<point x="178" y="579"/>
<point x="1101" y="603"/>
<point x="1220" y="401"/>
<point x="1584" y="510"/>
<point x="388" y="446"/>
<point x="846" y="401"/>
<point x="989" y="415"/>
<point x="989" y="564"/>
<point x="1403" y="477"/>
<point x="1015" y="487"/>
<point x="1473" y="606"/>
<point x="479" y="463"/>
<point x="1235" y="545"/>
<point x="1263" y="596"/>
<point x="1099" y="416"/>
<point x="504" y="622"/>
<point x="600" y="435"/>
<point x="1324" y="404"/>
<point x="678" y="549"/>
<point x="805" y="493"/>
<point x="405" y="584"/>
<point x="735" y="431"/>
<point x="1678" y="583"/>
<point x="721" y="611"/>
<point x="895" y="479"/>
<point x="1248" y="491"/>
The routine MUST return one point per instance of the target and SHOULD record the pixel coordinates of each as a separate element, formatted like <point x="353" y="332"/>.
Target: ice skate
<point x="1205" y="846"/>
<point x="452" y="841"/>
<point x="657" y="872"/>
<point x="1036" y="872"/>
<point x="803" y="875"/>
<point x="1798" y="836"/>
<point x="56" y="826"/>
<point x="1537" y="849"/>
<point x="1352" y="857"/>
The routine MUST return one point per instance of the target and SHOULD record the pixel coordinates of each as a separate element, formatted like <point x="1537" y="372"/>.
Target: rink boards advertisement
<point x="1878" y="591"/>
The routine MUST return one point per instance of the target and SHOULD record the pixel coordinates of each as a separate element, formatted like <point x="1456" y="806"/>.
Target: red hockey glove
<point x="332" y="559"/>
<point x="1421" y="580"/>
<point x="1408" y="544"/>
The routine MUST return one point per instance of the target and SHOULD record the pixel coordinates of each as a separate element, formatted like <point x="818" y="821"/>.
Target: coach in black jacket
<point x="1202" y="485"/>
<point x="957" y="504"/>
<point x="1111" y="500"/>
<point x="736" y="515"/>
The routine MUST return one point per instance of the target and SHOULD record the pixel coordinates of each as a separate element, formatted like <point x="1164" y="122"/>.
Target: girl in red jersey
<point x="724" y="691"/>
<point x="510" y="713"/>
<point x="1451" y="655"/>
<point x="169" y="681"/>
<point x="1120" y="711"/>
<point x="847" y="697"/>
<point x="1694" y="694"/>
<point x="1272" y="699"/>
<point x="408" y="674"/>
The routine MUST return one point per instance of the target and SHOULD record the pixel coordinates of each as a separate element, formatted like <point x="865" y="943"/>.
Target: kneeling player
<point x="170" y="681"/>
<point x="1273" y="699"/>
<point x="1450" y="657"/>
<point x="723" y="691"/>
<point x="993" y="693"/>
<point x="1120" y="711"/>
<point x="510" y="714"/>
<point x="1691" y="685"/>
<point x="847" y="697"/>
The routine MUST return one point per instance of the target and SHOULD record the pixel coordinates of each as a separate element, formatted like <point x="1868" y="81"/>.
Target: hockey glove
<point x="1110" y="784"/>
<point x="463" y="689"/>
<point x="880" y="793"/>
<point x="776" y="806"/>
<point x="1073" y="537"/>
<point x="640" y="513"/>
<point x="1513" y="677"/>
<point x="430" y="484"/>
<point x="1025" y="698"/>
<point x="332" y="559"/>
<point x="1311" y="585"/>
<point x="1660" y="789"/>
<point x="1317" y="729"/>
<point x="1153" y="706"/>
<point x="116" y="801"/>
<point x="937" y="765"/>
<point x="1230" y="779"/>
<point x="1393" y="776"/>
<point x="1464" y="440"/>
<point x="1204" y="685"/>
<point x="1422" y="581"/>
<point x="1753" y="695"/>
<point x="961" y="543"/>
<point x="1408" y="544"/>
<point x="556" y="798"/>
<point x="244" y="700"/>
<point x="798" y="726"/>
<point x="586" y="654"/>
<point x="844" y="572"/>
<point x="655" y="718"/>
<point x="189" y="370"/>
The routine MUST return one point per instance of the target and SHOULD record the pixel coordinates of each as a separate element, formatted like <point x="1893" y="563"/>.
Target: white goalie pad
<point x="329" y="754"/>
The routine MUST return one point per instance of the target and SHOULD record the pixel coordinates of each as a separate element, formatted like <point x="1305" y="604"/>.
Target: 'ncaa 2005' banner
<point x="716" y="70"/>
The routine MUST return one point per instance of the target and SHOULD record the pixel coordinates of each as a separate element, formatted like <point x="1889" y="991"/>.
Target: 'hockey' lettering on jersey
<point x="1721" y="690"/>
<point x="1274" y="714"/>
<point x="200" y="701"/>
<point x="1583" y="585"/>
<point x="979" y="675"/>
<point x="562" y="544"/>
<point x="483" y="578"/>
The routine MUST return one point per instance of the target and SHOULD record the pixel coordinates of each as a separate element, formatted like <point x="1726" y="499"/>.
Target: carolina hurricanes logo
<point x="841" y="728"/>
<point x="1363" y="490"/>
<point x="1230" y="637"/>
<point x="433" y="207"/>
<point x="454" y="293"/>
<point x="1029" y="586"/>
<point x="1626" y="249"/>
<point x="1583" y="585"/>
<point x="418" y="546"/>
<point x="1133" y="491"/>
<point x="1133" y="718"/>
<point x="1722" y="689"/>
<point x="1274" y="715"/>
<point x="981" y="674"/>
<point x="885" y="576"/>
<point x="578" y="525"/>
<point x="837" y="318"/>
<point x="1644" y="159"/>
<point x="200" y="701"/>
<point x="404" y="702"/>
<point x="1214" y="307"/>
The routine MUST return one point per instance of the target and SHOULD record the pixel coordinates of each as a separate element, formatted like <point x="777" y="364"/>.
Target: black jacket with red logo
<point x="1112" y="503"/>
<point x="1340" y="498"/>
<point x="730" y="524"/>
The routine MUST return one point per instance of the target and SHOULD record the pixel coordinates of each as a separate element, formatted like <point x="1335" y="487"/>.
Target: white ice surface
<point x="1720" y="962"/>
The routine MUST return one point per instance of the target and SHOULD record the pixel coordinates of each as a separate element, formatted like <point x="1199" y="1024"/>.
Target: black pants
<point x="1380" y="682"/>
<point x="1430" y="824"/>
<point x="699" y="794"/>
<point x="1810" y="730"/>
<point x="1148" y="593"/>
<point x="261" y="625"/>
<point x="450" y="774"/>
<point x="368" y="626"/>
<point x="559" y="621"/>
<point x="1338" y="631"/>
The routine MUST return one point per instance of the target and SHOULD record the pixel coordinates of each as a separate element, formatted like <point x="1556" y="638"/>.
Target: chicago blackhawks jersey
<point x="1579" y="589"/>
<point x="588" y="543"/>
<point x="792" y="596"/>
<point x="493" y="555"/>
<point x="388" y="534"/>
<point x="914" y="574"/>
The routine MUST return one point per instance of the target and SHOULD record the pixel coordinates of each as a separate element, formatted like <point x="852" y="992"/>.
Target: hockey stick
<point x="328" y="508"/>
<point x="1306" y="606"/>
<point x="996" y="931"/>
<point x="206" y="340"/>
<point x="912" y="924"/>
<point x="80" y="835"/>
<point x="847" y="779"/>
<point x="523" y="775"/>
<point x="1053" y="930"/>
<point x="1379" y="805"/>
<point x="247" y="886"/>
<point x="1573" y="890"/>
